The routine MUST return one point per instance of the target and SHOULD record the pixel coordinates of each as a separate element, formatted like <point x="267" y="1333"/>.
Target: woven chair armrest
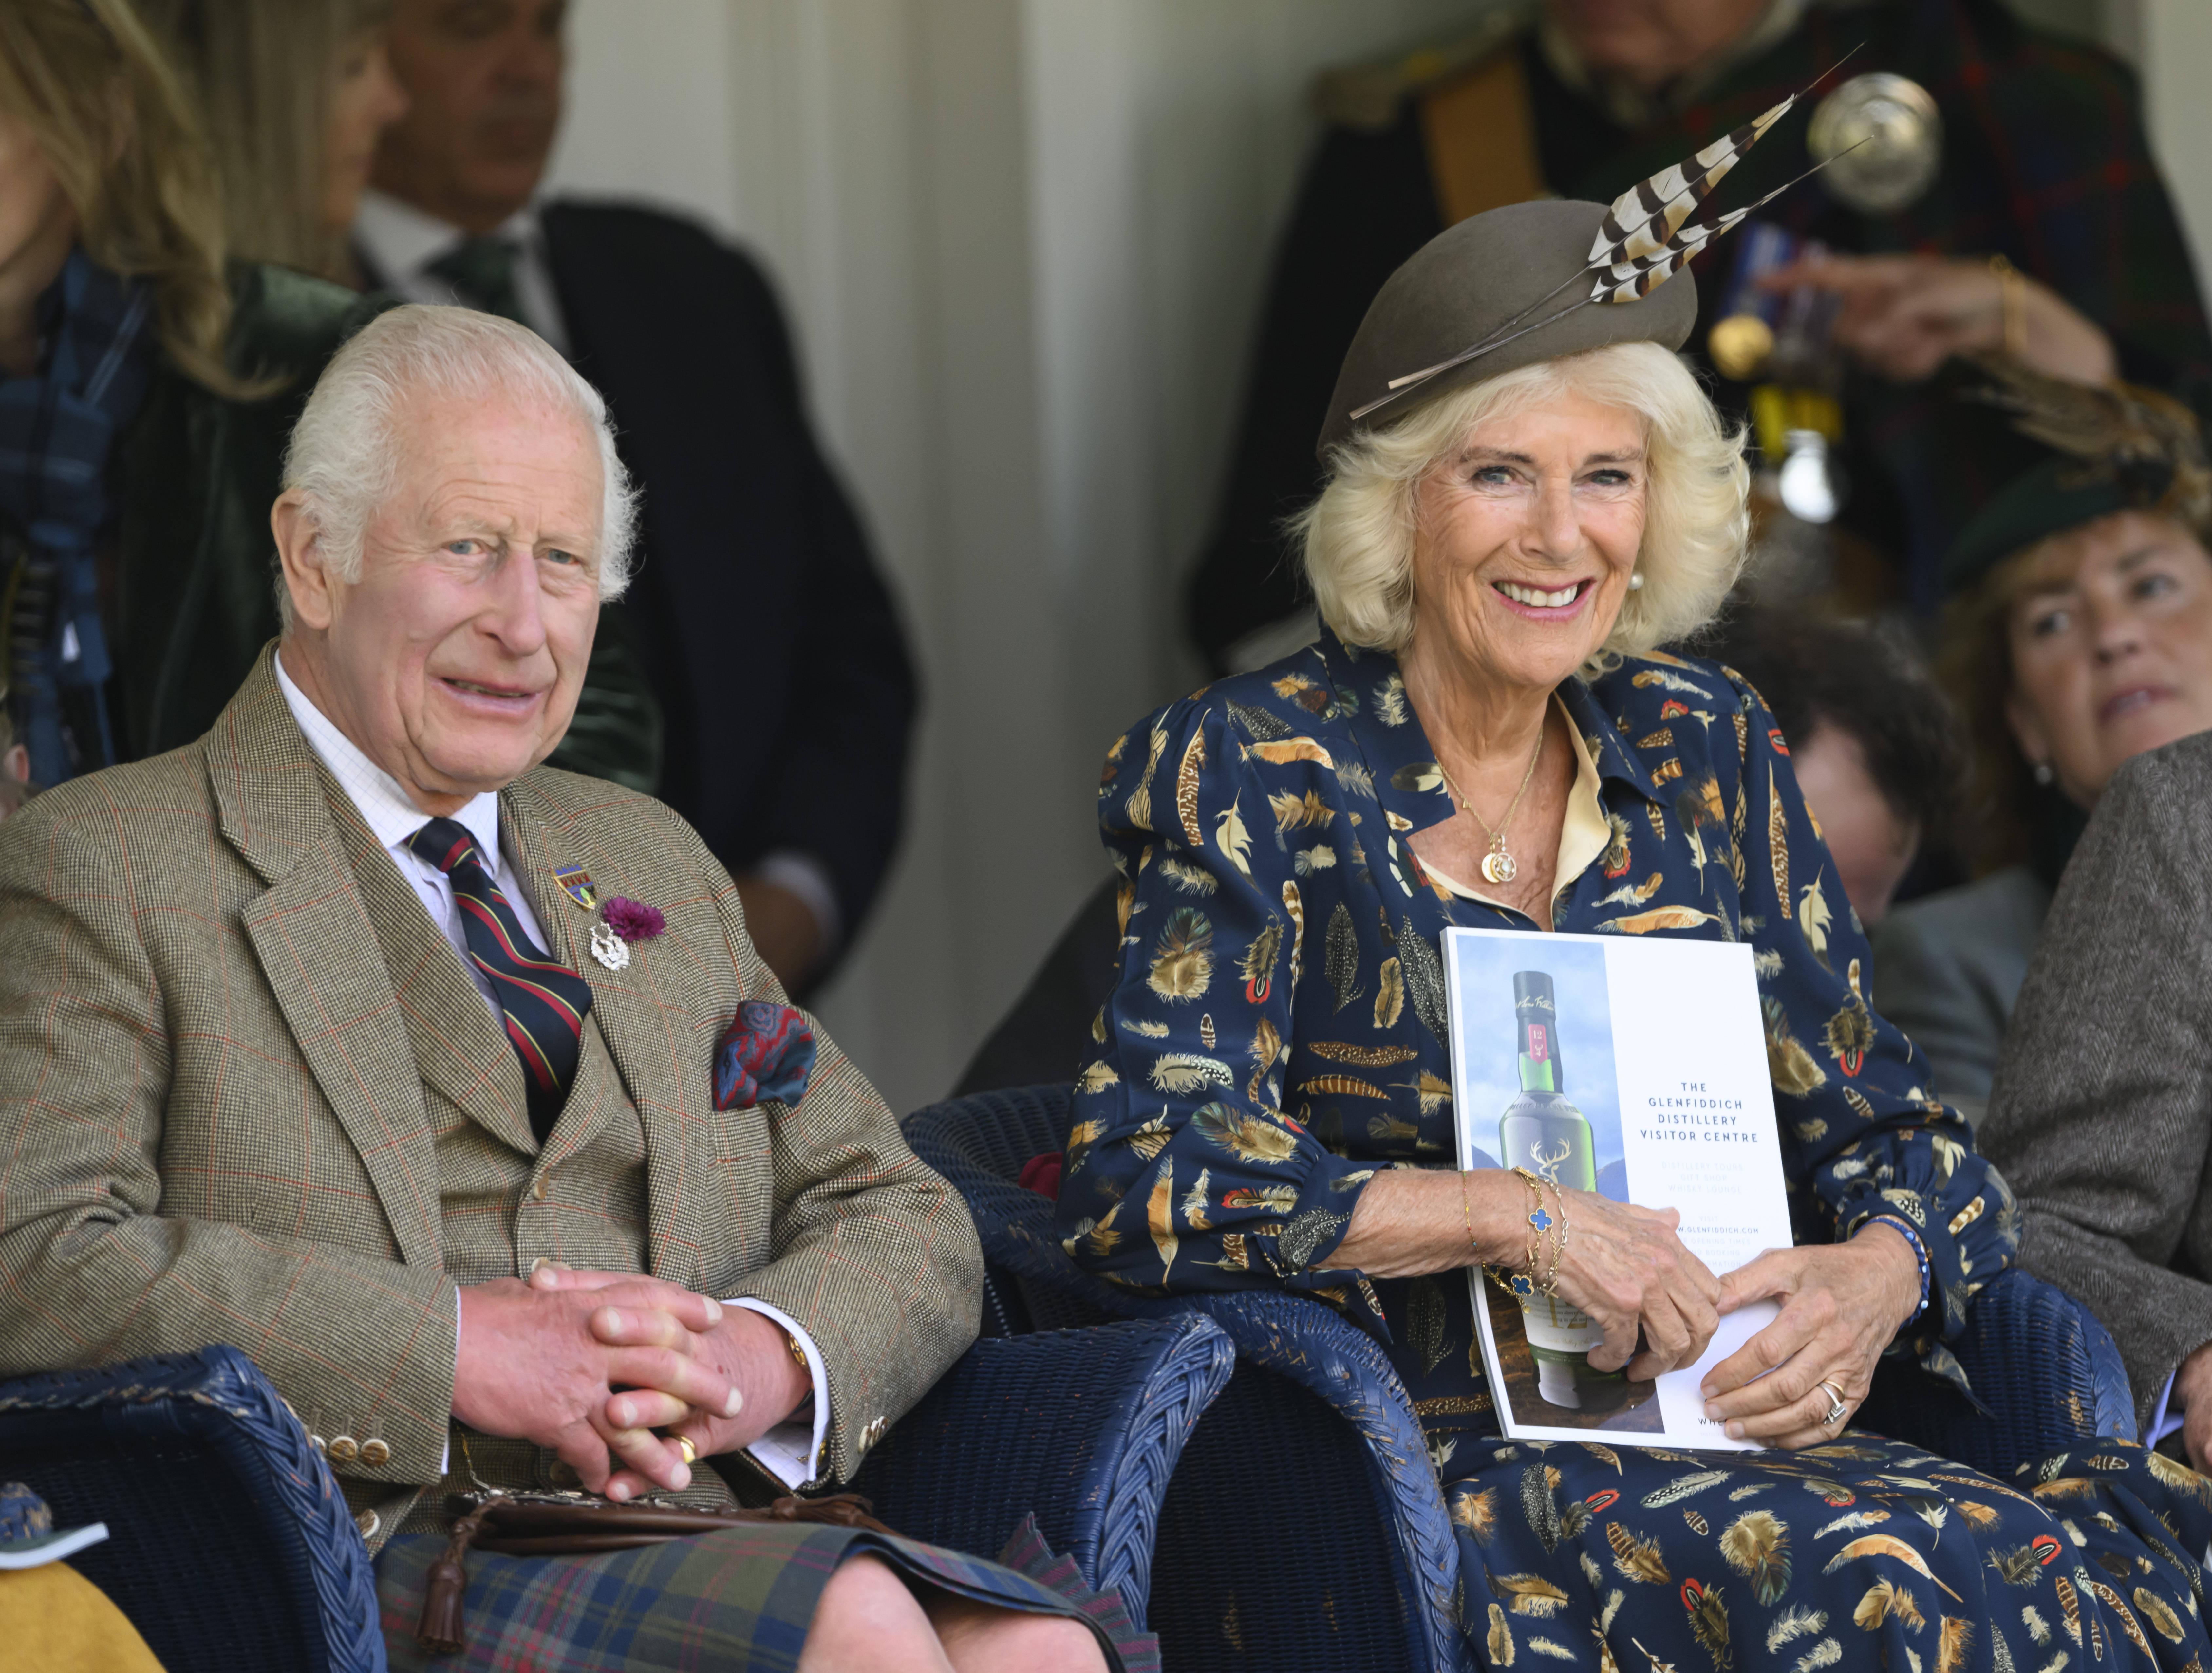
<point x="155" y="1412"/>
<point x="2046" y="1366"/>
<point x="1302" y="1339"/>
<point x="1083" y="1427"/>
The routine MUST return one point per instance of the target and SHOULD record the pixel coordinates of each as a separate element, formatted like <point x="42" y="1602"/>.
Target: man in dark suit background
<point x="790" y="761"/>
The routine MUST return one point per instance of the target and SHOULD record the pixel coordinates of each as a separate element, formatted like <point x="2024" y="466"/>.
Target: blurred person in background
<point x="15" y="787"/>
<point x="1992" y="139"/>
<point x="294" y="94"/>
<point x="146" y="391"/>
<point x="2079" y="636"/>
<point x="1875" y="743"/>
<point x="791" y="763"/>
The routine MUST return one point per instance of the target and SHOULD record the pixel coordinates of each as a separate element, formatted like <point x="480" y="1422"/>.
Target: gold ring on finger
<point x="683" y="1446"/>
<point x="1837" y="1411"/>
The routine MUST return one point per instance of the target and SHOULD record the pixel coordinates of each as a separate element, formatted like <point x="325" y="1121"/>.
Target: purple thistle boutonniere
<point x="633" y="920"/>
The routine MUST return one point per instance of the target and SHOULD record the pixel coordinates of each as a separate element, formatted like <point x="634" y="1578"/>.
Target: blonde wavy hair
<point x="1357" y="538"/>
<point x="267" y="74"/>
<point x="114" y="125"/>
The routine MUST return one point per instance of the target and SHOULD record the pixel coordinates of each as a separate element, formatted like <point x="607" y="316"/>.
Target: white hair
<point x="343" y="457"/>
<point x="1358" y="536"/>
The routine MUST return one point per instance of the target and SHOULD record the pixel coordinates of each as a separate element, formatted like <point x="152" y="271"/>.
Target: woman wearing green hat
<point x="1528" y="495"/>
<point x="2079" y="635"/>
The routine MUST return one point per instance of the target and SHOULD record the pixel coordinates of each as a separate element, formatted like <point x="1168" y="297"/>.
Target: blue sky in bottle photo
<point x="1489" y="1037"/>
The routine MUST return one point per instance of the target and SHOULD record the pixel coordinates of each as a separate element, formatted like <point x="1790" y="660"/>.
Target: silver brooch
<point x="1881" y="139"/>
<point x="608" y="948"/>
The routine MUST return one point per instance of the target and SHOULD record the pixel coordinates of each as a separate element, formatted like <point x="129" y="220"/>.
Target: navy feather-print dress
<point x="1277" y="1034"/>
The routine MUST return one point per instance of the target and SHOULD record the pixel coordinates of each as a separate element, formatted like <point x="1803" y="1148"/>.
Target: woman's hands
<point x="1904" y="316"/>
<point x="1623" y="1266"/>
<point x="1626" y="1268"/>
<point x="1842" y="1303"/>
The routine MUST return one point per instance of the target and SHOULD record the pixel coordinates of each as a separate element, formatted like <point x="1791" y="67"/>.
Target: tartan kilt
<point x="736" y="1598"/>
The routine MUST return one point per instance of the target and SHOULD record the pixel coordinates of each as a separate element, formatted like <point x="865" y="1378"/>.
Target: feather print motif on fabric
<point x="1257" y="966"/>
<point x="1194" y="1203"/>
<point x="1265" y="1046"/>
<point x="1695" y="1522"/>
<point x="1230" y="837"/>
<point x="1475" y="1509"/>
<point x="1500" y="1640"/>
<point x="2069" y="1607"/>
<point x="1191" y="879"/>
<point x="1636" y="1559"/>
<point x="1827" y="1653"/>
<point x="1538" y="1507"/>
<point x="1340" y="1086"/>
<point x="1205" y="1035"/>
<point x="1186" y="782"/>
<point x="1150" y="1139"/>
<point x="1390" y="701"/>
<point x="1531" y="1594"/>
<point x="2121" y="1613"/>
<point x="1778" y="844"/>
<point x="1883" y="1599"/>
<point x="1182" y="959"/>
<point x="1179" y="1073"/>
<point x="1159" y="1218"/>
<point x="1425" y="981"/>
<point x="1341" y="956"/>
<point x="1955" y="1642"/>
<point x="1283" y="751"/>
<point x="1251" y="1138"/>
<point x="1853" y="1523"/>
<point x="2163" y="1621"/>
<point x="1709" y="1622"/>
<point x="1634" y="895"/>
<point x="1365" y="1056"/>
<point x="1294" y="903"/>
<point x="1263" y="726"/>
<point x="1389" y="995"/>
<point x="1425" y="1323"/>
<point x="1888" y="1545"/>
<point x="1795" y="1622"/>
<point x="1757" y="1546"/>
<point x="1138" y="809"/>
<point x="1682" y="1487"/>
<point x="1319" y="858"/>
<point x="1788" y="1064"/>
<point x="1293" y="810"/>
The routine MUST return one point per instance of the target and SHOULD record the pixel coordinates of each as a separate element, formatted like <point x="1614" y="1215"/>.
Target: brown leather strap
<point x="1481" y="139"/>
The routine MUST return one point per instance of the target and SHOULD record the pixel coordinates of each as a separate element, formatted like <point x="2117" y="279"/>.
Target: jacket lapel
<point x="644" y="1043"/>
<point x="310" y="933"/>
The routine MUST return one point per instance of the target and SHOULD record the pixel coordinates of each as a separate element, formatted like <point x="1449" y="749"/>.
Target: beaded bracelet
<point x="1906" y="1229"/>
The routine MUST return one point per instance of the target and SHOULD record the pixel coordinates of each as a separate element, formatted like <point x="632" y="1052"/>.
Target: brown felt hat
<point x="1469" y="284"/>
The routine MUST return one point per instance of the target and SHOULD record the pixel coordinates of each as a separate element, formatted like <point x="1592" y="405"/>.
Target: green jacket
<point x="195" y="596"/>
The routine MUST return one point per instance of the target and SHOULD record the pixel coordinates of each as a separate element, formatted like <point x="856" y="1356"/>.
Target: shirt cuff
<point x="446" y="1452"/>
<point x="810" y="880"/>
<point x="788" y="1451"/>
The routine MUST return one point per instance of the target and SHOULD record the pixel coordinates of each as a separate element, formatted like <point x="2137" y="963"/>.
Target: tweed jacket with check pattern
<point x="249" y="1094"/>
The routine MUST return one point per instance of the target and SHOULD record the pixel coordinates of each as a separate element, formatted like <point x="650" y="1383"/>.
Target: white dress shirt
<point x="787" y="1452"/>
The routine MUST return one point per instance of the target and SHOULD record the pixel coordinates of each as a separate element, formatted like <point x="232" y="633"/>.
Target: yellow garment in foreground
<point x="54" y="1620"/>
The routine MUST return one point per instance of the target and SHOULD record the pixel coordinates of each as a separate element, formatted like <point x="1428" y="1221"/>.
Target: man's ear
<point x="300" y="550"/>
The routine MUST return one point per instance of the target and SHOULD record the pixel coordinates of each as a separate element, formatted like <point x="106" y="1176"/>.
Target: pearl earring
<point x="1634" y="581"/>
<point x="2044" y="775"/>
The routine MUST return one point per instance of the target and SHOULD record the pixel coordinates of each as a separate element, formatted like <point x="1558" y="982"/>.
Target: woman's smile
<point x="1544" y="603"/>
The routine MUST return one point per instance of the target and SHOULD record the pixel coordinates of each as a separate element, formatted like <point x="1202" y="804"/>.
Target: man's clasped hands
<point x="607" y="1369"/>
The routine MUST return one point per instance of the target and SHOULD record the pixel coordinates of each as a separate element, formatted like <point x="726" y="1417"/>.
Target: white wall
<point x="1022" y="242"/>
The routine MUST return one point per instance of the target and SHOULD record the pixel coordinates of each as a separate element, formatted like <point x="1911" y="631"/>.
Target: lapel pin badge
<point x="576" y="883"/>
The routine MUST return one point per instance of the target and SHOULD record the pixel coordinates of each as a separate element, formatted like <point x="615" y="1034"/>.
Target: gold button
<point x="345" y="1448"/>
<point x="322" y="1447"/>
<point x="369" y="1522"/>
<point x="539" y="1189"/>
<point x="873" y="1433"/>
<point x="375" y="1453"/>
<point x="538" y="1266"/>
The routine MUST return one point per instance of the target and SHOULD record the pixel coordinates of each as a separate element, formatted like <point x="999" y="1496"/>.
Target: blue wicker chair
<point x="232" y="1551"/>
<point x="1304" y="1528"/>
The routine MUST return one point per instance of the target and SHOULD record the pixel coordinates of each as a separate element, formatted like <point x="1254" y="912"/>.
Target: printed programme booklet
<point x="1636" y="1069"/>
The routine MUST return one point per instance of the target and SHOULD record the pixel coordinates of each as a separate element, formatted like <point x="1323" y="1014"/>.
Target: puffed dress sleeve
<point x="1862" y="1133"/>
<point x="1183" y="1172"/>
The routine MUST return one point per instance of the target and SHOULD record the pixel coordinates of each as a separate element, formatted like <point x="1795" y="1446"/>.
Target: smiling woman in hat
<point x="2079" y="636"/>
<point x="1528" y="496"/>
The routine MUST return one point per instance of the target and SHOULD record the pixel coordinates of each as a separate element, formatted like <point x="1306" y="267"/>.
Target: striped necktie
<point x="543" y="1003"/>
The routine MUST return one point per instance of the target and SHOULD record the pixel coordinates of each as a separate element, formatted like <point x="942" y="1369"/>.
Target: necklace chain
<point x="1497" y="865"/>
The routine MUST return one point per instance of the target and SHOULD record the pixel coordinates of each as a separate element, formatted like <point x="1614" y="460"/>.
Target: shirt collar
<point x="376" y="794"/>
<point x="401" y="240"/>
<point x="1370" y="690"/>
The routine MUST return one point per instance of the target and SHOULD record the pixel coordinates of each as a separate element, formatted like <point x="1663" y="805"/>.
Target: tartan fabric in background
<point x="2045" y="163"/>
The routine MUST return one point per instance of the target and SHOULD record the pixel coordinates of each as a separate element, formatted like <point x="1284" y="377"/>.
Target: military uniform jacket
<point x="1279" y="1034"/>
<point x="249" y="1094"/>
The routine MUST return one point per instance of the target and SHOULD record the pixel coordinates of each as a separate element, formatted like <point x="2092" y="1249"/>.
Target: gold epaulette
<point x="1370" y="96"/>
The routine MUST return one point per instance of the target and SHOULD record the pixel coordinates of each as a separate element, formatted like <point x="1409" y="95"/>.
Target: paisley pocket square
<point x="766" y="1054"/>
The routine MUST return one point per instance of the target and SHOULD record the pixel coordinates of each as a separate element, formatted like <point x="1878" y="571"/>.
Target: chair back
<point x="229" y="1547"/>
<point x="1273" y="1550"/>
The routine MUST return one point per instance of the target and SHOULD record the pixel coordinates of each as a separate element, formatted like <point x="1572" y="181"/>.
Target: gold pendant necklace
<point x="1498" y="866"/>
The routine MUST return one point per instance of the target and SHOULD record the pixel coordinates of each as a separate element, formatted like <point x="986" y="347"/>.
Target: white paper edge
<point x="55" y="1550"/>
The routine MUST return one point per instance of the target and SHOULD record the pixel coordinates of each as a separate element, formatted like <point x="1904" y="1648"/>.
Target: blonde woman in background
<point x="146" y="385"/>
<point x="295" y="95"/>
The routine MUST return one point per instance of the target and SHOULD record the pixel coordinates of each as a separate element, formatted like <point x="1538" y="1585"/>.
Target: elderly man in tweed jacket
<point x="343" y="1035"/>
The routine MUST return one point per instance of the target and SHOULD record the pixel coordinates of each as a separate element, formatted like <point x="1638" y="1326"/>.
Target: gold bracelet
<point x="1559" y="1241"/>
<point x="1467" y="1213"/>
<point x="2012" y="285"/>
